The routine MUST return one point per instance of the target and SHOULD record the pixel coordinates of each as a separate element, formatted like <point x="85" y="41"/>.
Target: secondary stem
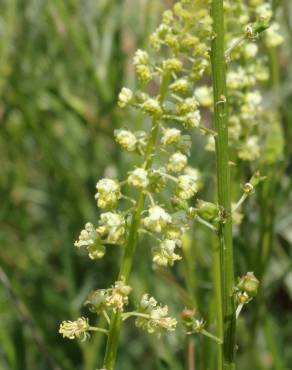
<point x="223" y="186"/>
<point x="267" y="218"/>
<point x="127" y="261"/>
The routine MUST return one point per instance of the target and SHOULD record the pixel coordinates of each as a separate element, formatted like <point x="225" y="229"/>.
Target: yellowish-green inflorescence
<point x="254" y="129"/>
<point x="173" y="95"/>
<point x="181" y="44"/>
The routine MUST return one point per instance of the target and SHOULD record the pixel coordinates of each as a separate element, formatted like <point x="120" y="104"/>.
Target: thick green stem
<point x="223" y="186"/>
<point x="127" y="261"/>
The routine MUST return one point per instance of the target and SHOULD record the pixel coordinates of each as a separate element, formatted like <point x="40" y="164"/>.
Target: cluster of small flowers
<point x="247" y="128"/>
<point x="111" y="230"/>
<point x="150" y="316"/>
<point x="132" y="141"/>
<point x="114" y="298"/>
<point x="99" y="301"/>
<point x="184" y="35"/>
<point x="108" y="193"/>
<point x="154" y="318"/>
<point x="75" y="329"/>
<point x="112" y="225"/>
<point x="175" y="32"/>
<point x="159" y="221"/>
<point x="246" y="114"/>
<point x="185" y="30"/>
<point x="246" y="289"/>
<point x="188" y="60"/>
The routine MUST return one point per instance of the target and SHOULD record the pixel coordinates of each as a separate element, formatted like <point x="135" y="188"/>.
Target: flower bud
<point x="187" y="317"/>
<point x="143" y="70"/>
<point x="157" y="319"/>
<point x="147" y="303"/>
<point x="172" y="65"/>
<point x="157" y="181"/>
<point x="152" y="107"/>
<point x="167" y="17"/>
<point x="248" y="188"/>
<point x="90" y="239"/>
<point x="157" y="219"/>
<point x="198" y="325"/>
<point x="112" y="226"/>
<point x="125" y="97"/>
<point x="190" y="321"/>
<point x="192" y="120"/>
<point x="141" y="57"/>
<point x="186" y="186"/>
<point x="172" y="41"/>
<point x="189" y="42"/>
<point x="126" y="139"/>
<point x="139" y="178"/>
<point x="122" y="288"/>
<point x="108" y="193"/>
<point x="163" y="254"/>
<point x="117" y="296"/>
<point x="163" y="30"/>
<point x="208" y="211"/>
<point x="171" y="136"/>
<point x="242" y="298"/>
<point x="249" y="284"/>
<point x="181" y="85"/>
<point x="144" y="73"/>
<point x="177" y="162"/>
<point x="186" y="106"/>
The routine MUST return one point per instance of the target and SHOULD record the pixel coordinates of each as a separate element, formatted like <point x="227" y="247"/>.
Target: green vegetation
<point x="191" y="166"/>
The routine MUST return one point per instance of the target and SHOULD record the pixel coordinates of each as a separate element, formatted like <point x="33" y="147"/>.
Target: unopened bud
<point x="208" y="211"/>
<point x="248" y="188"/>
<point x="249" y="284"/>
<point x="187" y="316"/>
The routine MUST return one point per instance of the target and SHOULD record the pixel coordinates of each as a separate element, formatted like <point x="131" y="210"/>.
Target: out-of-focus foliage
<point x="62" y="64"/>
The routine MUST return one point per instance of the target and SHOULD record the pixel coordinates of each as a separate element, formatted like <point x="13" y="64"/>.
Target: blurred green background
<point x="62" y="64"/>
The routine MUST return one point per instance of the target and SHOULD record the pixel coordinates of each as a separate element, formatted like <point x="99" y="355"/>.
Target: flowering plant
<point x="173" y="97"/>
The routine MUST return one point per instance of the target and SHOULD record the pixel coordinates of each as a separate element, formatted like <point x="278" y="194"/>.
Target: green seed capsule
<point x="187" y="316"/>
<point x="249" y="284"/>
<point x="208" y="211"/>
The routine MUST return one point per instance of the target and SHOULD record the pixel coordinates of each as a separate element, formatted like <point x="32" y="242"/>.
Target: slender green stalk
<point x="267" y="217"/>
<point x="218" y="299"/>
<point x="212" y="336"/>
<point x="223" y="186"/>
<point x="127" y="262"/>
